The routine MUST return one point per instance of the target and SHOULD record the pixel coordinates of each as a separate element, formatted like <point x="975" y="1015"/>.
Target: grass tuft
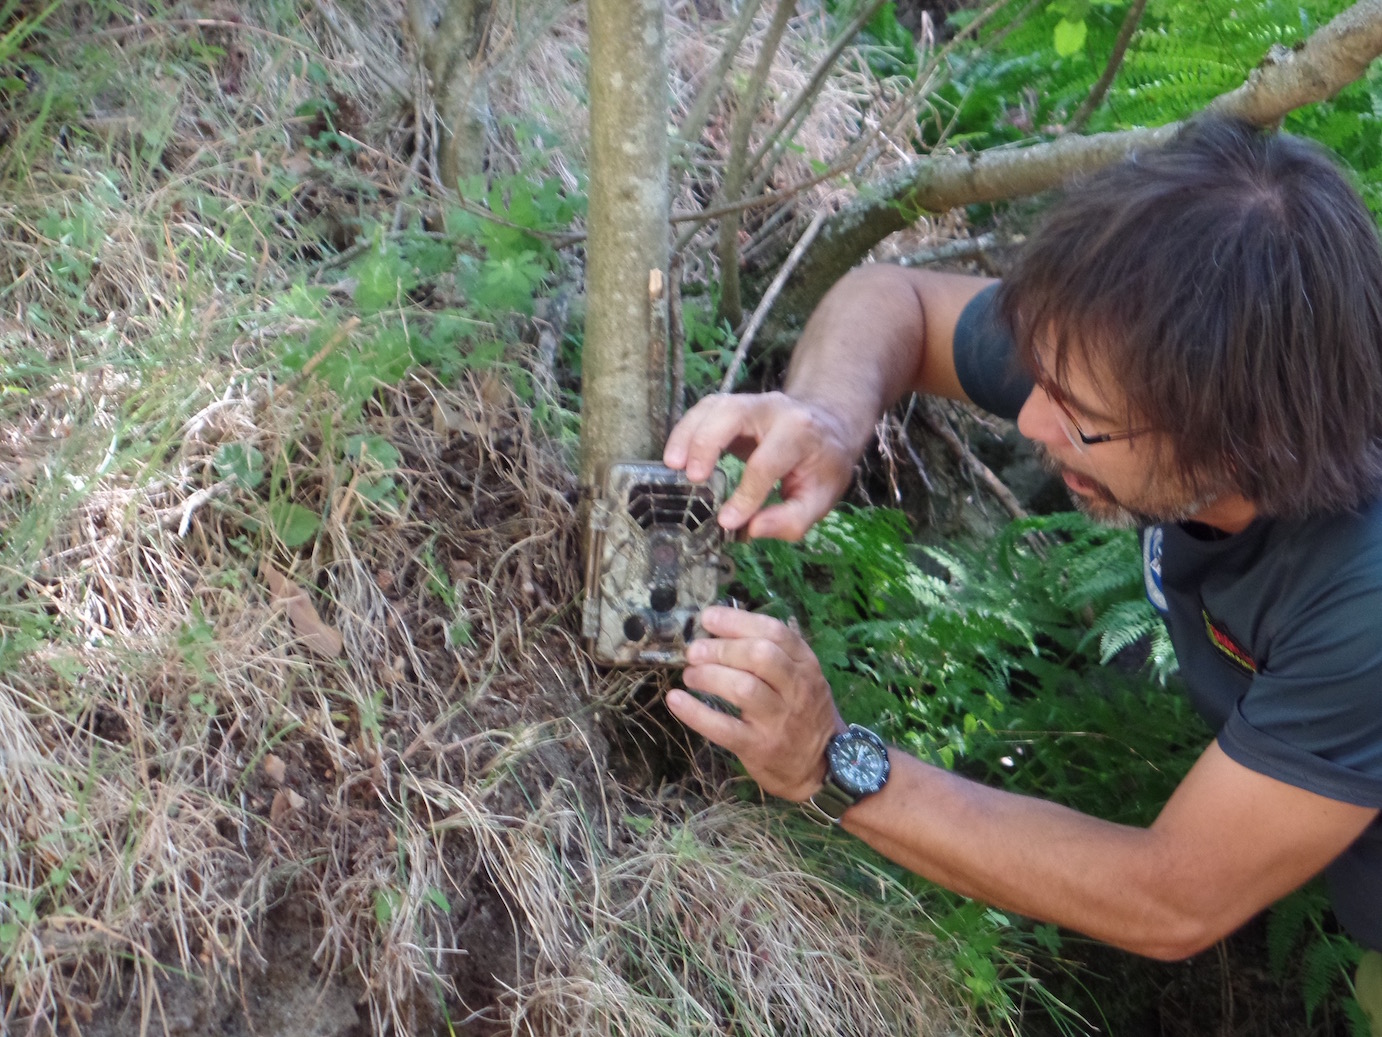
<point x="293" y="718"/>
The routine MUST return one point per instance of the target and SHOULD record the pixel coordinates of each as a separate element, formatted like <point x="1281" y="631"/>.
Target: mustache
<point x="1049" y="463"/>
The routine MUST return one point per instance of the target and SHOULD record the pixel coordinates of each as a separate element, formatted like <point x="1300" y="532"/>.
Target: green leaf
<point x="239" y="461"/>
<point x="292" y="523"/>
<point x="1070" y="36"/>
<point x="383" y="278"/>
<point x="386" y="903"/>
<point x="1047" y="937"/>
<point x="373" y="450"/>
<point x="506" y="284"/>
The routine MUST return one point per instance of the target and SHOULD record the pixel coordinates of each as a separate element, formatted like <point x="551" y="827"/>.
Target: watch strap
<point x="829" y="803"/>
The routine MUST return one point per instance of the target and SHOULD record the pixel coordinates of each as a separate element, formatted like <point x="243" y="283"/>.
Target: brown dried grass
<point x="179" y="762"/>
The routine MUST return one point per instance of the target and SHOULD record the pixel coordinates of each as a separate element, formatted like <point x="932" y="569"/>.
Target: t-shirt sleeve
<point x="1313" y="716"/>
<point x="986" y="357"/>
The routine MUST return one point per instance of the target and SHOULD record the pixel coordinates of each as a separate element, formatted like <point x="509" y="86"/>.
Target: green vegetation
<point x="288" y="558"/>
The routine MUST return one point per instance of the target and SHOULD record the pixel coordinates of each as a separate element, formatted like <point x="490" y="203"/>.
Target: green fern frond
<point x="1122" y="625"/>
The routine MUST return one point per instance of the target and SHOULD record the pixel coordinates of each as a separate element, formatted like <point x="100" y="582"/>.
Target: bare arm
<point x="1228" y="843"/>
<point x="880" y="332"/>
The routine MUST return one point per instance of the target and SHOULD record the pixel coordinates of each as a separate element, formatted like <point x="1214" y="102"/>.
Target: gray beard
<point x="1108" y="510"/>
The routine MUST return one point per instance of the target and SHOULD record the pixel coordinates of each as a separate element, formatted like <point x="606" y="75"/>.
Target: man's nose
<point x="1040" y="419"/>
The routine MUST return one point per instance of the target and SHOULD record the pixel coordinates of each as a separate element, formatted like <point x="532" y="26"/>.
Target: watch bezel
<point x="836" y="746"/>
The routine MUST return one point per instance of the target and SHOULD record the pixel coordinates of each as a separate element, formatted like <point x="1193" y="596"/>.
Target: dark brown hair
<point x="1229" y="286"/>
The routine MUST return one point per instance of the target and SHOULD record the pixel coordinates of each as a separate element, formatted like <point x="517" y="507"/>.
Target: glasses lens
<point x="1068" y="426"/>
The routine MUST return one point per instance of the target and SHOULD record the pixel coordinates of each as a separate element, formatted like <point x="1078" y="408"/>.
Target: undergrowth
<point x="286" y="581"/>
<point x="1034" y="662"/>
<point x="292" y="709"/>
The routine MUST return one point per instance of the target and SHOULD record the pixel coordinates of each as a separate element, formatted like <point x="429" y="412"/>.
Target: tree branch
<point x="1329" y="60"/>
<point x="731" y="308"/>
<point x="813" y="85"/>
<point x="699" y="114"/>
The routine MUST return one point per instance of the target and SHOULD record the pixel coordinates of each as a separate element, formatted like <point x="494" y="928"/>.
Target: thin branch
<point x="769" y="297"/>
<point x="676" y="339"/>
<point x="862" y="152"/>
<point x="853" y="156"/>
<point x="1131" y="20"/>
<point x="961" y="248"/>
<point x="814" y="84"/>
<point x="699" y="114"/>
<point x="1291" y="77"/>
<point x="957" y="446"/>
<point x="730" y="306"/>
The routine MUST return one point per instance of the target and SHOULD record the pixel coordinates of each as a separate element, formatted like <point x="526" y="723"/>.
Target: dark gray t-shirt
<point x="1278" y="631"/>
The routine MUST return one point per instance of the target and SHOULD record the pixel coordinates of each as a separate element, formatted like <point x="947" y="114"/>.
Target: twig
<point x="676" y="339"/>
<point x="769" y="297"/>
<point x="337" y="337"/>
<point x="899" y="427"/>
<point x="415" y="166"/>
<point x="966" y="457"/>
<point x="181" y="516"/>
<point x="770" y="228"/>
<point x="735" y="167"/>
<point x="699" y="114"/>
<point x="856" y="157"/>
<point x="1115" y="60"/>
<point x="961" y="248"/>
<point x="658" y="389"/>
<point x="813" y="85"/>
<point x="787" y="193"/>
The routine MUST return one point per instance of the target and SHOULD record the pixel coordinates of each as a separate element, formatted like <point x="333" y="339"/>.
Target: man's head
<point x="1226" y="290"/>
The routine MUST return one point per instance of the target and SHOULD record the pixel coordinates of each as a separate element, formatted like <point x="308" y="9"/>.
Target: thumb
<point x="789" y="520"/>
<point x="748" y="497"/>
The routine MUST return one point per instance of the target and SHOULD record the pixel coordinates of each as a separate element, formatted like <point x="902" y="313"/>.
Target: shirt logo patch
<point x="1152" y="541"/>
<point x="1223" y="641"/>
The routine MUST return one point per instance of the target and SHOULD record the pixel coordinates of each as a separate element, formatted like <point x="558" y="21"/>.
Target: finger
<point x="725" y="622"/>
<point x="789" y="520"/>
<point x="721" y="728"/>
<point x="709" y="428"/>
<point x="753" y="674"/>
<point x="730" y="625"/>
<point x="737" y="686"/>
<point x="678" y="448"/>
<point x="776" y="455"/>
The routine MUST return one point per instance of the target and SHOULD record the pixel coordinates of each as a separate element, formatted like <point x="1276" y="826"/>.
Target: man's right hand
<point x="779" y="439"/>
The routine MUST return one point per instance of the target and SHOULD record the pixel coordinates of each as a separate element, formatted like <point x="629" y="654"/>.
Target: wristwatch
<point x="856" y="765"/>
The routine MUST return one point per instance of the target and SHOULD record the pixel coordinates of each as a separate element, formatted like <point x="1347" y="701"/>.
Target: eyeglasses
<point x="1079" y="439"/>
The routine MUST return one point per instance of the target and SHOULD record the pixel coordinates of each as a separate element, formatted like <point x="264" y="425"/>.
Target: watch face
<point x="858" y="761"/>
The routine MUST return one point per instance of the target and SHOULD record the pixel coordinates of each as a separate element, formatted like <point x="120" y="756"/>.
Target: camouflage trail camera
<point x="654" y="563"/>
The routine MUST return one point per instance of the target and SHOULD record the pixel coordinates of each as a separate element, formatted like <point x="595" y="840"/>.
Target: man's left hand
<point x="764" y="669"/>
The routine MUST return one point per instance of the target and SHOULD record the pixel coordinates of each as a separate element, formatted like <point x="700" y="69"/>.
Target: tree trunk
<point x="624" y="369"/>
<point x="1333" y="57"/>
<point x="453" y="51"/>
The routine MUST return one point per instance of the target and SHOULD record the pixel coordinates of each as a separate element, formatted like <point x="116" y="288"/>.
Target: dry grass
<point x="189" y="769"/>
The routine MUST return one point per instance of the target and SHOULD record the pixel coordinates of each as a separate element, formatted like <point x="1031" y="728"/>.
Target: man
<point x="1194" y="342"/>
